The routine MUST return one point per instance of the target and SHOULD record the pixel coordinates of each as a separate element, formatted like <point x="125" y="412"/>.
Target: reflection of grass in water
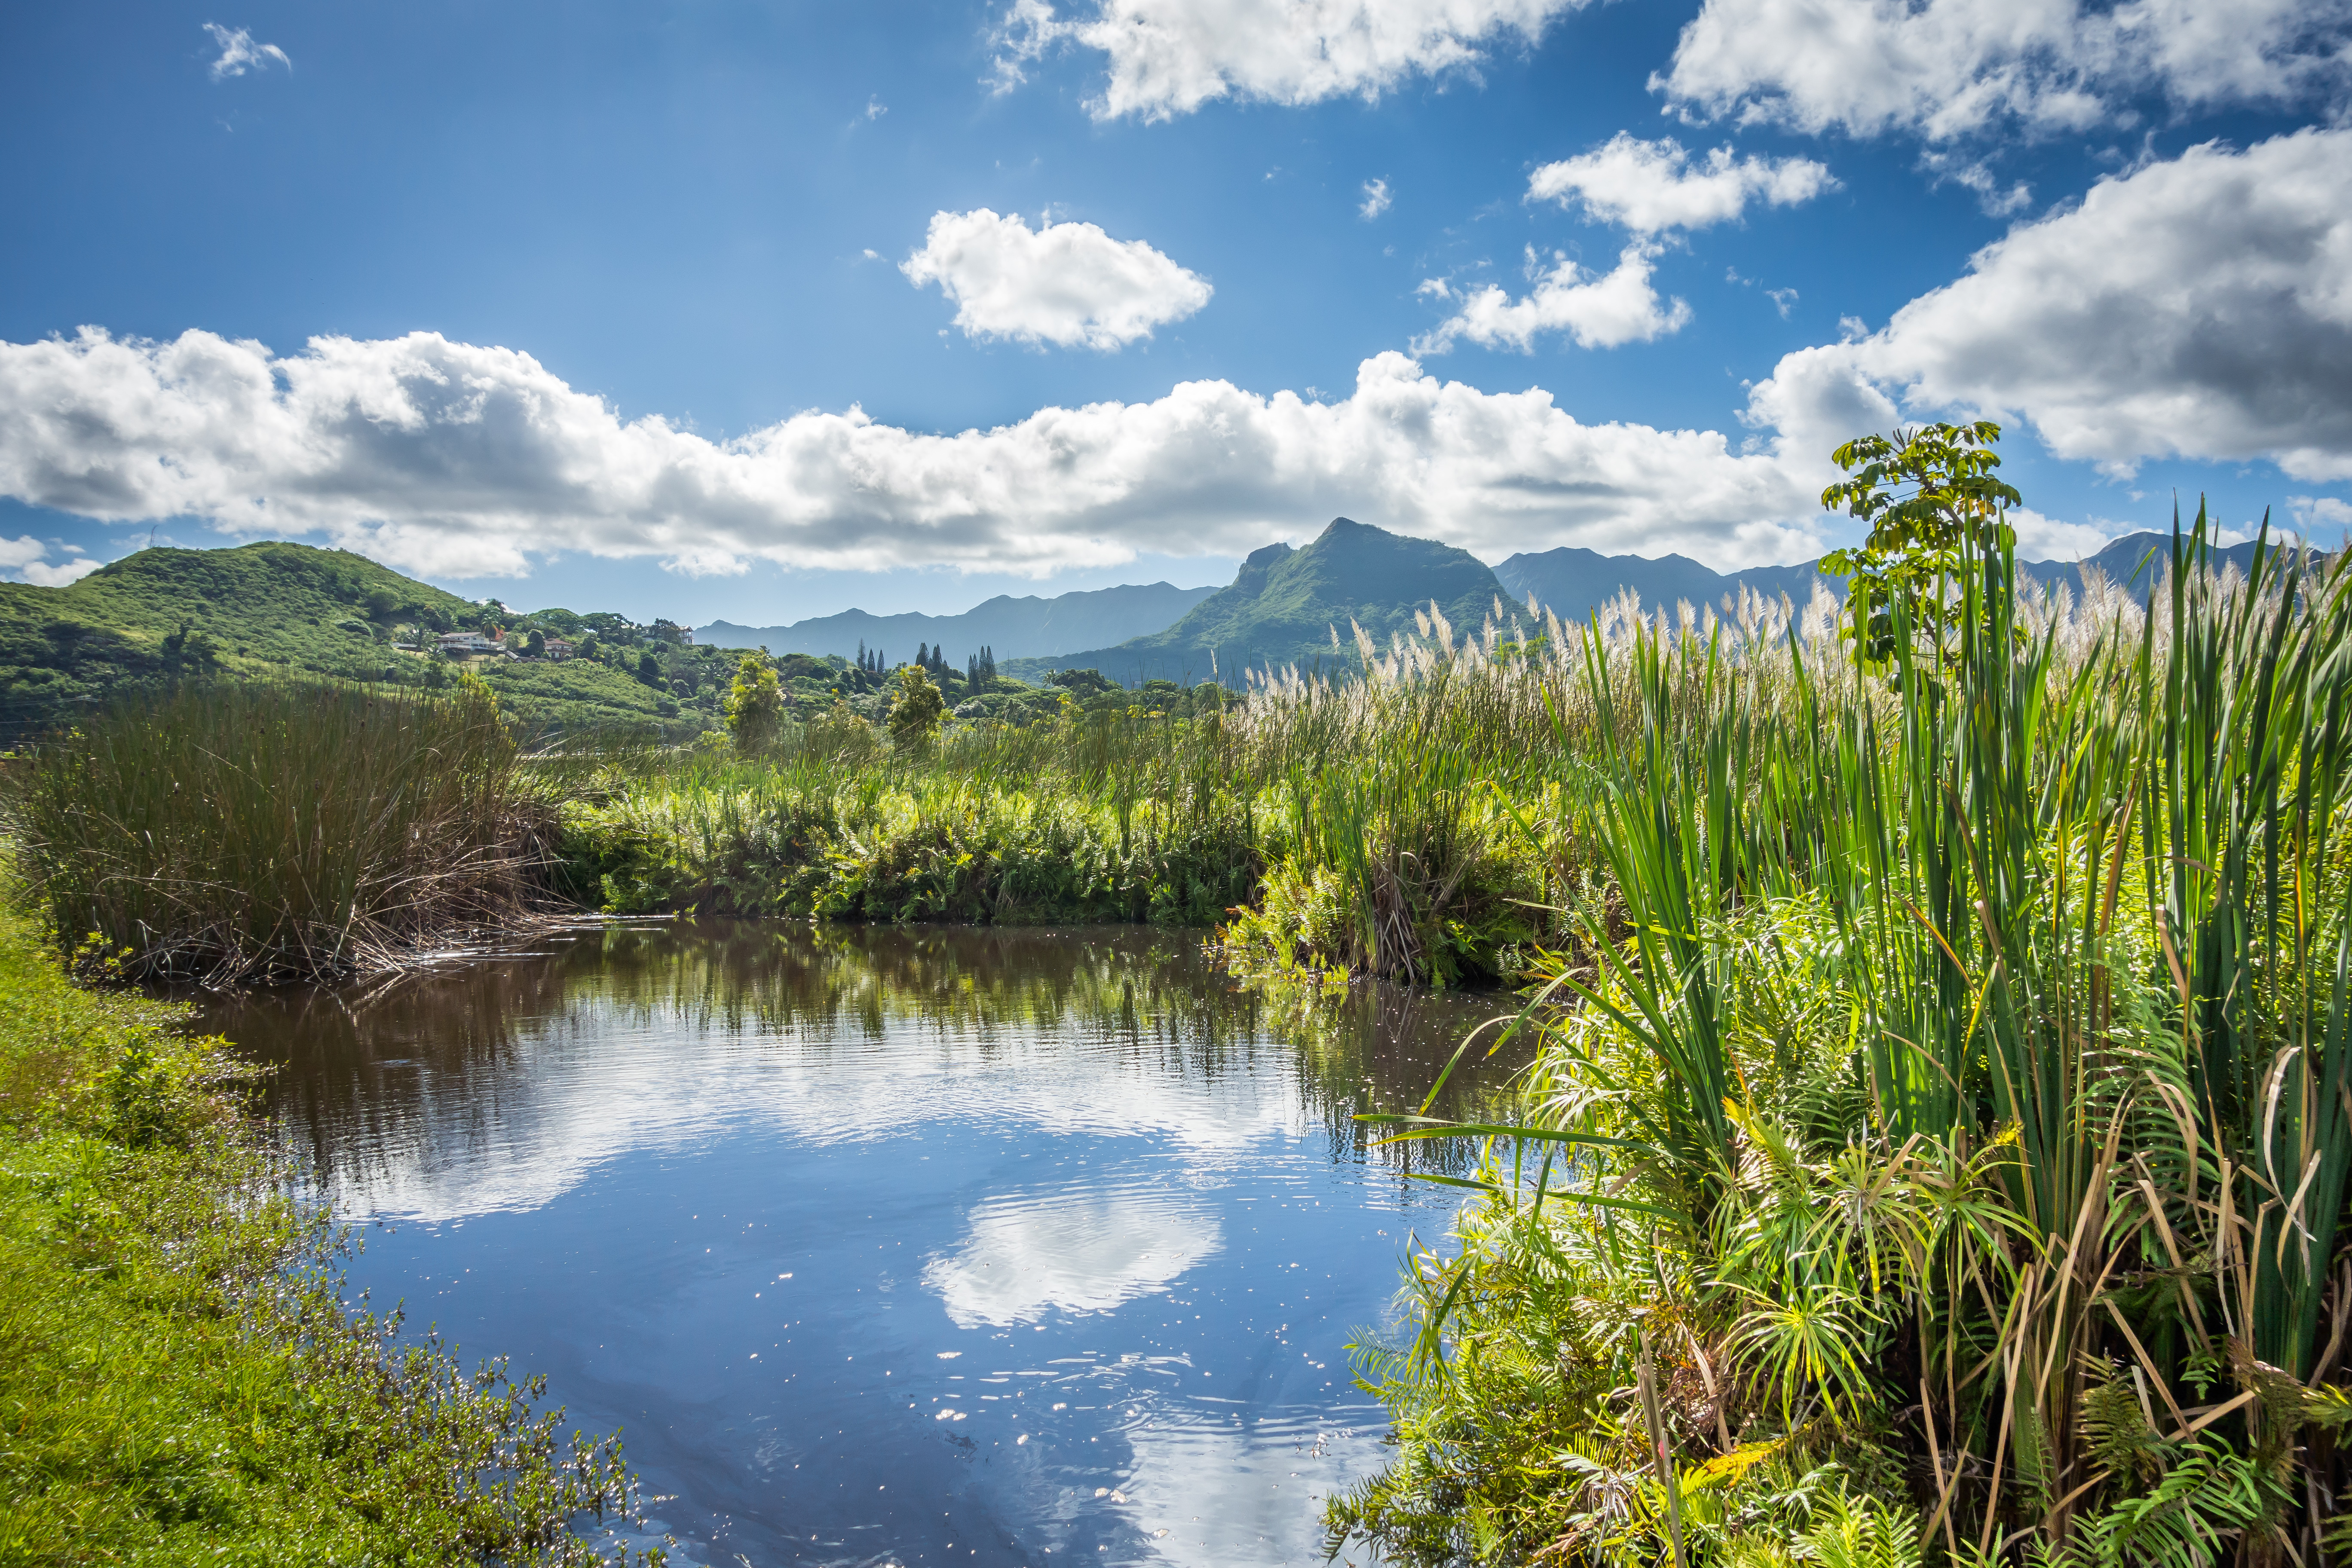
<point x="1381" y="1049"/>
<point x="1160" y="998"/>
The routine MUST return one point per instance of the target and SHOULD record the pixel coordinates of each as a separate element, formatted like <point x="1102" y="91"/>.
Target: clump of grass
<point x="262" y="834"/>
<point x="181" y="1378"/>
<point x="1961" y="1102"/>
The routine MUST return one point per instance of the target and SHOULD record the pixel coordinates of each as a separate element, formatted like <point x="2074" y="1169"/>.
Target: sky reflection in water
<point x="894" y="1247"/>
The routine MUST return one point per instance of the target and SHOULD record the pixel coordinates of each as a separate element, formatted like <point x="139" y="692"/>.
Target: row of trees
<point x="932" y="661"/>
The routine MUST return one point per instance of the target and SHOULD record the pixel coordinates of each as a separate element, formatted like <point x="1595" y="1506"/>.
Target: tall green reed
<point x="2248" y="743"/>
<point x="2086" y="905"/>
<point x="256" y="834"/>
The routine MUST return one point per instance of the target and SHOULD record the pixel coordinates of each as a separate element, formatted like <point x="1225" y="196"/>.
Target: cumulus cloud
<point x="1597" y="310"/>
<point x="2199" y="308"/>
<point x="459" y="459"/>
<point x="2041" y="538"/>
<point x="2317" y="514"/>
<point x="1169" y="57"/>
<point x="1951" y="68"/>
<point x="1975" y="174"/>
<point x="1651" y="187"/>
<point x="58" y="573"/>
<point x="1069" y="284"/>
<point x="239" y="53"/>
<point x="29" y="558"/>
<point x="1376" y="199"/>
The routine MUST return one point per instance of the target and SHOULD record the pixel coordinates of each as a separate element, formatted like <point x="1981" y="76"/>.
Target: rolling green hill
<point x="279" y="610"/>
<point x="1285" y="605"/>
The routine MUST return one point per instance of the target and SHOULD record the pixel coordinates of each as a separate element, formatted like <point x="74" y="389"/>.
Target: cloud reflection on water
<point x="1143" y="1217"/>
<point x="1073" y="1251"/>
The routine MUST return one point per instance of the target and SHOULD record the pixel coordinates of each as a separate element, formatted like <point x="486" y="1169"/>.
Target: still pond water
<point x="895" y="1246"/>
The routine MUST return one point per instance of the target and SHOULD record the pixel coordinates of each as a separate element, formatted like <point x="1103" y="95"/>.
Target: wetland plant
<point x="1950" y="1135"/>
<point x="235" y="833"/>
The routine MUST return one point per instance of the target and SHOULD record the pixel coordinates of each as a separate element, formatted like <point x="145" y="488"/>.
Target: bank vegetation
<point x="182" y="1377"/>
<point x="1941" y="1134"/>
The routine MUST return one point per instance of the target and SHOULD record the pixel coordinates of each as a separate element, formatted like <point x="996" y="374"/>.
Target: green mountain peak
<point x="1286" y="604"/>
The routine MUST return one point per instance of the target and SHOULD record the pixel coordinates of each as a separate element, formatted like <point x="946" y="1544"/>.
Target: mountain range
<point x="269" y="611"/>
<point x="1572" y="583"/>
<point x="1285" y="605"/>
<point x="1026" y="628"/>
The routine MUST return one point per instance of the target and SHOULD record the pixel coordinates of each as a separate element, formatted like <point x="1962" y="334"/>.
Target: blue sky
<point x="1410" y="214"/>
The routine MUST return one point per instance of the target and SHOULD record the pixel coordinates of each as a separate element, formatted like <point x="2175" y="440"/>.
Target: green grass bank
<point x="180" y="1380"/>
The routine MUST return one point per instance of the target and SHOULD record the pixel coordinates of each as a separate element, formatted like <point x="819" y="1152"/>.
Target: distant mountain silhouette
<point x="1572" y="583"/>
<point x="1014" y="629"/>
<point x="2137" y="561"/>
<point x="1284" y="605"/>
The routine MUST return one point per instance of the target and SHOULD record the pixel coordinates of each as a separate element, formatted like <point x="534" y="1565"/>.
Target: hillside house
<point x="462" y="644"/>
<point x="559" y="649"/>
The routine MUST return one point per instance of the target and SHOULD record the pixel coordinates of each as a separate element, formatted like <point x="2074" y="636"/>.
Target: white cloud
<point x="1377" y="199"/>
<point x="1169" y="56"/>
<point x="28" y="557"/>
<point x="1943" y="69"/>
<point x="2313" y="514"/>
<point x="57" y="574"/>
<point x="2199" y="307"/>
<point x="459" y="459"/>
<point x="1598" y="311"/>
<point x="239" y="53"/>
<point x="2041" y="538"/>
<point x="1650" y="187"/>
<point x="1975" y="174"/>
<point x="1064" y="283"/>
